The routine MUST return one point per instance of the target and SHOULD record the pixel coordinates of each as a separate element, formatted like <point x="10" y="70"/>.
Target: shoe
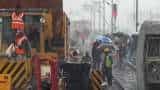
<point x="104" y="84"/>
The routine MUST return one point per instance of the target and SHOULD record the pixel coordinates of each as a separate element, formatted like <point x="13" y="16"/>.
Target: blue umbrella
<point x="104" y="39"/>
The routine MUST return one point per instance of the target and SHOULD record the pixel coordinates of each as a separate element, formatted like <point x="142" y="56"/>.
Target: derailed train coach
<point x="148" y="56"/>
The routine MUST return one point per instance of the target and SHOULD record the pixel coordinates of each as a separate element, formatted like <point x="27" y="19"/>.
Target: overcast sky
<point x="74" y="8"/>
<point x="126" y="8"/>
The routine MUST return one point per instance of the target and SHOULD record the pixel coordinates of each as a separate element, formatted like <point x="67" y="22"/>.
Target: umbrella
<point x="103" y="46"/>
<point x="104" y="39"/>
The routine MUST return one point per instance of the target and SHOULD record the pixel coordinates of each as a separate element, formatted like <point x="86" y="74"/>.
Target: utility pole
<point x="137" y="22"/>
<point x="104" y="14"/>
<point x="94" y="21"/>
<point x="100" y="14"/>
<point x="91" y="19"/>
<point x="112" y="17"/>
<point x="88" y="8"/>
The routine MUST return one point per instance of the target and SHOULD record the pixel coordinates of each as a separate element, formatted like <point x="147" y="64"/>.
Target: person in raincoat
<point x="108" y="66"/>
<point x="96" y="55"/>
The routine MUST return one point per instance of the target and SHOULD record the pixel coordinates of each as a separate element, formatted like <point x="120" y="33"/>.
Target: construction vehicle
<point x="148" y="56"/>
<point x="46" y="26"/>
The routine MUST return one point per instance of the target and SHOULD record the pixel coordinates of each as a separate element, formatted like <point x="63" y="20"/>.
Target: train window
<point x="6" y="33"/>
<point x="32" y="29"/>
<point x="152" y="46"/>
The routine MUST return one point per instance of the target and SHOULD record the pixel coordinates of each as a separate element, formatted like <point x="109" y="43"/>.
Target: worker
<point x="108" y="66"/>
<point x="86" y="58"/>
<point x="17" y="19"/>
<point x="86" y="64"/>
<point x="17" y="22"/>
<point x="21" y="42"/>
<point x="75" y="58"/>
<point x="122" y="55"/>
<point x="96" y="55"/>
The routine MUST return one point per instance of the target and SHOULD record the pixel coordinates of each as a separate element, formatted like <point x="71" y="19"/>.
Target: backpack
<point x="108" y="61"/>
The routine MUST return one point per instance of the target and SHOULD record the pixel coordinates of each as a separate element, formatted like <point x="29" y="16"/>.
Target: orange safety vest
<point x="20" y="51"/>
<point x="17" y="21"/>
<point x="19" y="42"/>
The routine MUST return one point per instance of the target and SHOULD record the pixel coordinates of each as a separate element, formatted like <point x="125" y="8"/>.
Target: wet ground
<point x="125" y="77"/>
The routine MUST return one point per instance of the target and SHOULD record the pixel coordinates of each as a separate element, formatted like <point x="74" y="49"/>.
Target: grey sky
<point x="149" y="9"/>
<point x="74" y="8"/>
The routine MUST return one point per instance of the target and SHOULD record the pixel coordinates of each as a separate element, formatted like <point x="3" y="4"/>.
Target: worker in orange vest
<point x="21" y="40"/>
<point x="17" y="19"/>
<point x="17" y="22"/>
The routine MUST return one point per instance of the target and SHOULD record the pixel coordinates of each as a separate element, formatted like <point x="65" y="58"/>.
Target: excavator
<point x="46" y="26"/>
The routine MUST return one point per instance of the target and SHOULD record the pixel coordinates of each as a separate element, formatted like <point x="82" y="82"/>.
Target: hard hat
<point x="106" y="50"/>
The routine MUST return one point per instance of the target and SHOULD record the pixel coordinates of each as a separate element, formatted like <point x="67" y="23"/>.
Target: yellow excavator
<point x="46" y="26"/>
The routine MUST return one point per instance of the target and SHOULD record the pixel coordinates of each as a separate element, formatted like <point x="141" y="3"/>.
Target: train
<point x="148" y="56"/>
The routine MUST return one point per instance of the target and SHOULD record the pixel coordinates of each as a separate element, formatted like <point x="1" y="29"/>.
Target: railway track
<point x="116" y="86"/>
<point x="126" y="77"/>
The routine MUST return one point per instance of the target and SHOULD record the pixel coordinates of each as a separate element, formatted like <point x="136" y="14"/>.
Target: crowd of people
<point x="107" y="56"/>
<point x="113" y="55"/>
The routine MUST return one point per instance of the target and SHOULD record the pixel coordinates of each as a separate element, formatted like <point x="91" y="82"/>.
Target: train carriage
<point x="148" y="56"/>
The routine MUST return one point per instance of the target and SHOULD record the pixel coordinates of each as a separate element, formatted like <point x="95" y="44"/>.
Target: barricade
<point x="96" y="80"/>
<point x="18" y="71"/>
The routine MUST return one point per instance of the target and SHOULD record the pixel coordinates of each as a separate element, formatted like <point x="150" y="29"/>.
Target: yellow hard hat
<point x="106" y="50"/>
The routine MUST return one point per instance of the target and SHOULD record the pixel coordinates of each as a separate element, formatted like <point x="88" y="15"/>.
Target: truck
<point x="47" y="26"/>
<point x="148" y="56"/>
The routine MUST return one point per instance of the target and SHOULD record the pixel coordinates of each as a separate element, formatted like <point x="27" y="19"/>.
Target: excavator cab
<point x="42" y="37"/>
<point x="32" y="30"/>
<point x="46" y="26"/>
